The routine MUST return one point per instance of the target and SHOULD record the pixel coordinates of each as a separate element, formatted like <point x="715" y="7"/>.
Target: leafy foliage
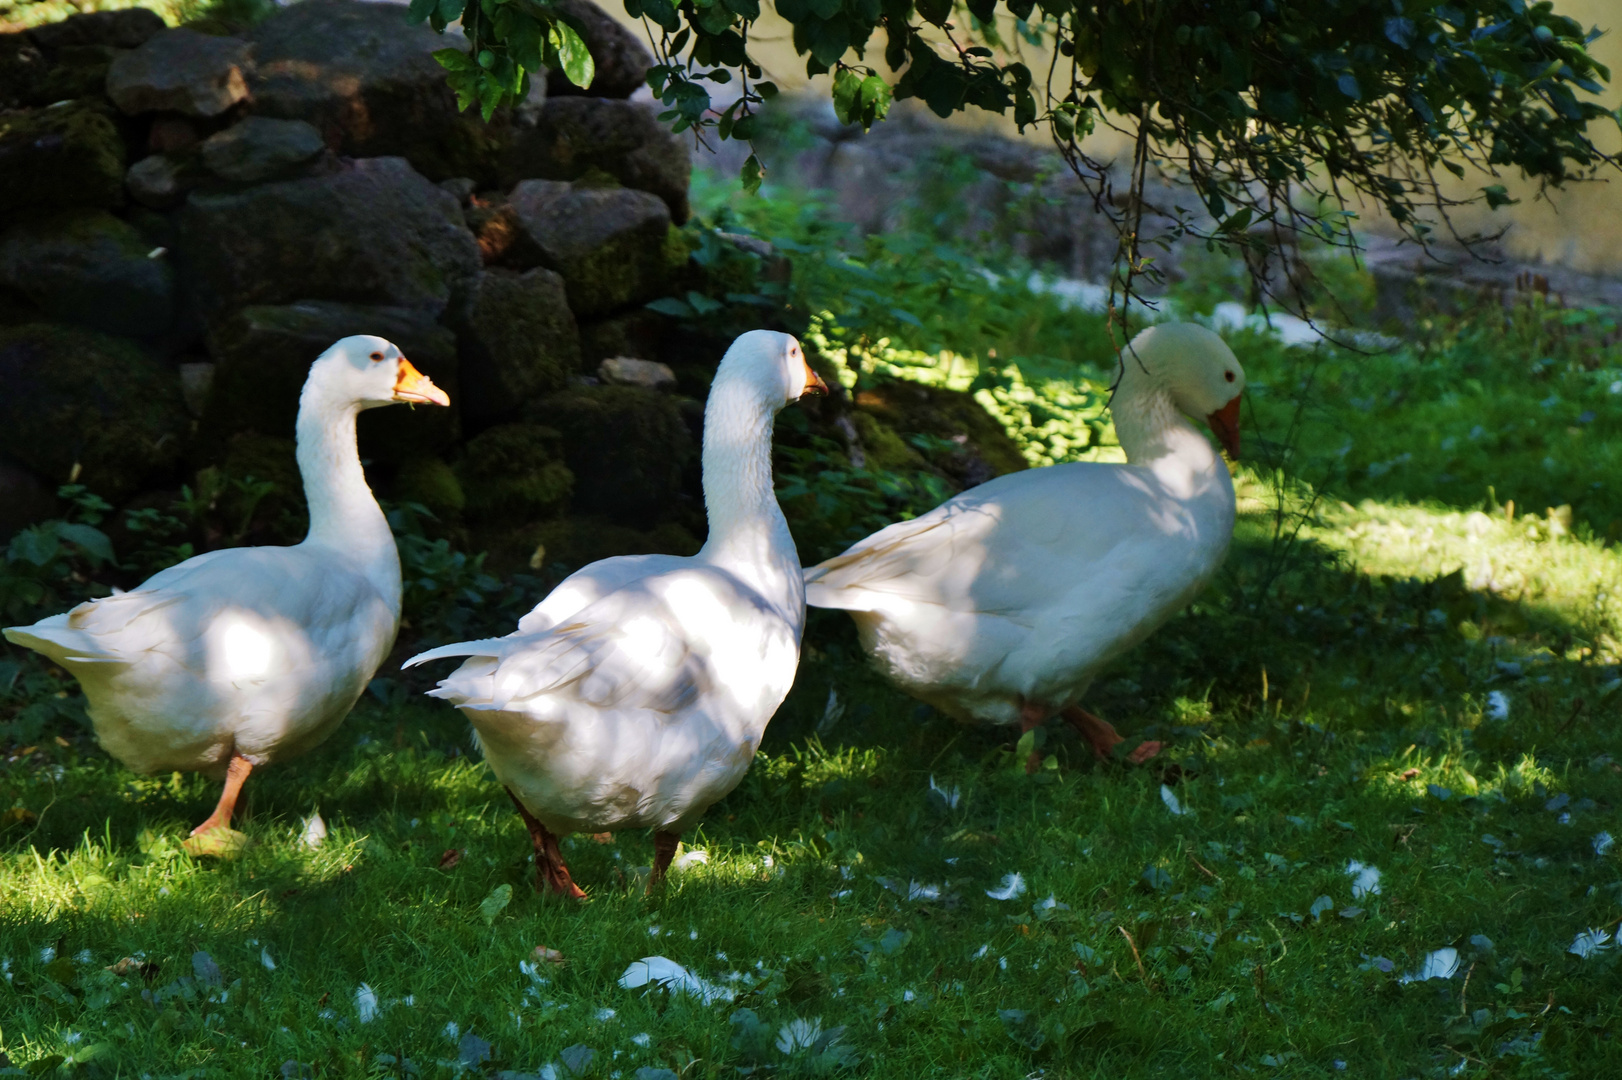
<point x="1276" y="113"/>
<point x="507" y="41"/>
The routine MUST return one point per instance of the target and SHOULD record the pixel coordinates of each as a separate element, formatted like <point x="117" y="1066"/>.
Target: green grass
<point x="1328" y="700"/>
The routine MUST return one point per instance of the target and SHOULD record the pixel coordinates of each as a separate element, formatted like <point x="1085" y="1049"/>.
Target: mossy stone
<point x="519" y="339"/>
<point x="367" y="78"/>
<point x="280" y="516"/>
<point x="263" y="355"/>
<point x="970" y="446"/>
<point x="886" y="451"/>
<point x="431" y="482"/>
<point x="610" y="244"/>
<point x="90" y="268"/>
<point x="373" y="231"/>
<point x="23" y="70"/>
<point x="571" y="136"/>
<point x="627" y="445"/>
<point x="60" y="156"/>
<point x="514" y="473"/>
<point x="76" y="397"/>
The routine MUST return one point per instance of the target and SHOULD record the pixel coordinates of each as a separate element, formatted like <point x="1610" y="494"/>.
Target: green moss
<point x="512" y="473"/>
<point x="886" y="451"/>
<point x="678" y="248"/>
<point x="68" y="155"/>
<point x="80" y="71"/>
<point x="953" y="431"/>
<point x="263" y="493"/>
<point x="430" y="481"/>
<point x="628" y="447"/>
<point x="78" y="398"/>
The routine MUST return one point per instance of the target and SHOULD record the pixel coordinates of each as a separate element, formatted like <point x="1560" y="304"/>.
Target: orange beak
<point x="1225" y="426"/>
<point x="814" y="386"/>
<point x="412" y="385"/>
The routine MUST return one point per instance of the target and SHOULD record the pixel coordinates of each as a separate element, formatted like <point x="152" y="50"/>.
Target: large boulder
<point x="570" y="136"/>
<point x="520" y="341"/>
<point x="78" y="398"/>
<point x="260" y="149"/>
<point x="64" y="155"/>
<point x="372" y="232"/>
<point x="262" y="355"/>
<point x="181" y="71"/>
<point x="68" y="59"/>
<point x="90" y="268"/>
<point x="622" y="61"/>
<point x="370" y="83"/>
<point x="626" y="445"/>
<point x="609" y="243"/>
<point x="129" y="28"/>
<point x="514" y="473"/>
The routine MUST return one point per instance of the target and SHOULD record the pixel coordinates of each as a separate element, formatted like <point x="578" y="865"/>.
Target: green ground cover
<point x="1396" y="672"/>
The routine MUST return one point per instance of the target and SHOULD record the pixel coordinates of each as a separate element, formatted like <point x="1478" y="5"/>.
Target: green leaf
<point x="495" y="903"/>
<point x="91" y="539"/>
<point x="669" y="305"/>
<point x="751" y="175"/>
<point x="450" y="10"/>
<point x="1238" y="221"/>
<point x="847" y="89"/>
<point x="454" y="60"/>
<point x="578" y="65"/>
<point x="1497" y="196"/>
<point x="420" y="10"/>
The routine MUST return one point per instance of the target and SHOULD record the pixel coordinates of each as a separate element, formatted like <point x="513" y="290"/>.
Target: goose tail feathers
<point x="491" y="647"/>
<point x="54" y="638"/>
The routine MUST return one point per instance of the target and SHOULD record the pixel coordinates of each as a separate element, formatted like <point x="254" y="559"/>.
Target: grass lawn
<point x="1391" y="755"/>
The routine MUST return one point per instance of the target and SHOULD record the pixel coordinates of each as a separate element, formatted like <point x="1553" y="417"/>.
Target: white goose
<point x="636" y="693"/>
<point x="244" y="656"/>
<point x="1002" y="604"/>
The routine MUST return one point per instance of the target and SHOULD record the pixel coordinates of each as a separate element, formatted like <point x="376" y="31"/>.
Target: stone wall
<point x="190" y="217"/>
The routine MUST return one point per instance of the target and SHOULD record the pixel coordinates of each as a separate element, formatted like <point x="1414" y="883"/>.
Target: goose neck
<point x="748" y="532"/>
<point x="1151" y="427"/>
<point x="344" y="515"/>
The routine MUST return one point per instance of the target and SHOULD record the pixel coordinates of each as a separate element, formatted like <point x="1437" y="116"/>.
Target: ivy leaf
<point x="573" y="55"/>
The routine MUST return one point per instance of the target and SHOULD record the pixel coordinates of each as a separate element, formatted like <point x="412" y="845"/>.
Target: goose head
<point x="773" y="365"/>
<point x="1197" y="369"/>
<point x="365" y="372"/>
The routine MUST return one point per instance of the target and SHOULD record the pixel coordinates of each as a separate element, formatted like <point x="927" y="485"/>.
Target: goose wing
<point x="1004" y="547"/>
<point x="278" y="590"/>
<point x="659" y="643"/>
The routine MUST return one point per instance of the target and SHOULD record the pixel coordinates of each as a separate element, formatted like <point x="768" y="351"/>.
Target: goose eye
<point x="1228" y="375"/>
<point x="379" y="356"/>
